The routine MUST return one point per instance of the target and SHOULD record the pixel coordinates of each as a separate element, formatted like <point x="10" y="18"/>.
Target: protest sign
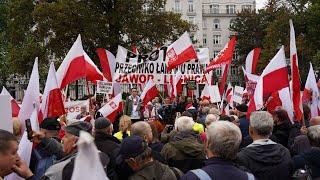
<point x="104" y="87"/>
<point x="237" y="94"/>
<point x="214" y="94"/>
<point x="73" y="108"/>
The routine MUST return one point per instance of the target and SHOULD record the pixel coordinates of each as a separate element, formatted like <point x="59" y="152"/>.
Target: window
<point x="204" y="23"/>
<point x="190" y="5"/>
<point x="234" y="70"/>
<point x="204" y="39"/>
<point x="231" y="9"/>
<point x="192" y="20"/>
<point x="218" y="71"/>
<point x="235" y="55"/>
<point x="216" y="24"/>
<point x="215" y="53"/>
<point x="214" y="8"/>
<point x="216" y="39"/>
<point x="177" y="6"/>
<point x="246" y="7"/>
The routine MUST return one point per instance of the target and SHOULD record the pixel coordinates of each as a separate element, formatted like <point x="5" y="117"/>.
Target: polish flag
<point x="295" y="75"/>
<point x="205" y="94"/>
<point x="273" y="78"/>
<point x="224" y="73"/>
<point x="52" y="102"/>
<point x="229" y="93"/>
<point x="108" y="63"/>
<point x="180" y="51"/>
<point x="31" y="99"/>
<point x="14" y="105"/>
<point x="177" y="84"/>
<point x="77" y="64"/>
<point x="281" y="98"/>
<point x="112" y="108"/>
<point x="251" y="82"/>
<point x="149" y="92"/>
<point x="311" y="93"/>
<point x="225" y="55"/>
<point x="252" y="60"/>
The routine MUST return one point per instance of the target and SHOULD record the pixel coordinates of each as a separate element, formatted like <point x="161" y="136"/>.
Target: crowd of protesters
<point x="183" y="138"/>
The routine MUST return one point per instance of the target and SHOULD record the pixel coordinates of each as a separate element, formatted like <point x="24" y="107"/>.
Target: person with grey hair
<point x="310" y="158"/>
<point x="223" y="140"/>
<point x="210" y="119"/>
<point x="184" y="150"/>
<point x="265" y="158"/>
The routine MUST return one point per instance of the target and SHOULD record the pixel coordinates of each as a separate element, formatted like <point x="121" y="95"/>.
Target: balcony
<point x="212" y="13"/>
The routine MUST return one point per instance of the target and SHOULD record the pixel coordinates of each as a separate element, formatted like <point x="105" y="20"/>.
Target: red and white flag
<point x="225" y="55"/>
<point x="229" y="94"/>
<point x="111" y="109"/>
<point x="177" y="84"/>
<point x="149" y="92"/>
<point x="311" y="93"/>
<point x="107" y="62"/>
<point x="224" y="77"/>
<point x="180" y="51"/>
<point x="251" y="82"/>
<point x="31" y="97"/>
<point x="252" y="60"/>
<point x="52" y="102"/>
<point x="281" y="98"/>
<point x="14" y="105"/>
<point x="273" y="78"/>
<point x="77" y="64"/>
<point x="295" y="75"/>
<point x="205" y="94"/>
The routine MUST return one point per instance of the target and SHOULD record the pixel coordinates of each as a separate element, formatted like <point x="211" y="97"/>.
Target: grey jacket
<point x="129" y="105"/>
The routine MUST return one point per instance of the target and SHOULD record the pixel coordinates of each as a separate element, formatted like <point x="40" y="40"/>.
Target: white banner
<point x="73" y="108"/>
<point x="104" y="87"/>
<point x="237" y="94"/>
<point x="140" y="68"/>
<point x="214" y="94"/>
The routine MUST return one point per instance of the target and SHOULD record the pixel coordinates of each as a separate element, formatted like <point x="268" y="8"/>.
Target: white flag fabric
<point x="6" y="122"/>
<point x="87" y="163"/>
<point x="31" y="96"/>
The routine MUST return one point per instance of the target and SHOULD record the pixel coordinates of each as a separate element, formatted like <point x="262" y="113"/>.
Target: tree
<point x="54" y="26"/>
<point x="4" y="67"/>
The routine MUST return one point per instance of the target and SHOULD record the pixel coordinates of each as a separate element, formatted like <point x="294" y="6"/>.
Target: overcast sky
<point x="260" y="3"/>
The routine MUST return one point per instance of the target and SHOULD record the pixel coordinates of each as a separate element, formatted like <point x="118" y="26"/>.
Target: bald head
<point x="142" y="129"/>
<point x="315" y="121"/>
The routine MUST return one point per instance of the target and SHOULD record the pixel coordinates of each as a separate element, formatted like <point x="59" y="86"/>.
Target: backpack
<point x="202" y="175"/>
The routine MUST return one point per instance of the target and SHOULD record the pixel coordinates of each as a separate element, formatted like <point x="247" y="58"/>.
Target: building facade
<point x="213" y="19"/>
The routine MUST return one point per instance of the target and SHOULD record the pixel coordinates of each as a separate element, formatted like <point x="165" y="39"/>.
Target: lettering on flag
<point x="73" y="108"/>
<point x="237" y="95"/>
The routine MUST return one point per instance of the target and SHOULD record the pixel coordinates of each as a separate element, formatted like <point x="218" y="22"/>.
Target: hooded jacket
<point x="266" y="160"/>
<point x="184" y="151"/>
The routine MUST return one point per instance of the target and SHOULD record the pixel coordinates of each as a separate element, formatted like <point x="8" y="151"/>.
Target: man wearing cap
<point x="64" y="167"/>
<point x="136" y="153"/>
<point x="107" y="143"/>
<point x="41" y="160"/>
<point x="241" y="112"/>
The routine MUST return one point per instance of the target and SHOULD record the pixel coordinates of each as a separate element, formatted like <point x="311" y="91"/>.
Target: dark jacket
<point x="184" y="151"/>
<point x="300" y="144"/>
<point x="269" y="161"/>
<point x="167" y="113"/>
<point x="109" y="145"/>
<point x="154" y="171"/>
<point x="244" y="126"/>
<point x="311" y="159"/>
<point x="218" y="168"/>
<point x="129" y="105"/>
<point x="282" y="132"/>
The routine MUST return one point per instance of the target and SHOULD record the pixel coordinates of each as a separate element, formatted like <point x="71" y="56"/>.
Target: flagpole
<point x="88" y="91"/>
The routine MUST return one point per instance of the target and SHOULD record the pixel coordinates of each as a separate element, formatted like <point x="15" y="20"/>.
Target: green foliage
<point x="269" y="28"/>
<point x="49" y="27"/>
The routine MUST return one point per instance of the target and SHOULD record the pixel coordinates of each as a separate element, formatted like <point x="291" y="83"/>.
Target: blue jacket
<point x="218" y="168"/>
<point x="244" y="126"/>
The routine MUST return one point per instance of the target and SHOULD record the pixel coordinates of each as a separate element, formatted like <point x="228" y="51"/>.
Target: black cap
<point x="242" y="108"/>
<point x="101" y="123"/>
<point x="132" y="146"/>
<point x="50" y="124"/>
<point x="76" y="127"/>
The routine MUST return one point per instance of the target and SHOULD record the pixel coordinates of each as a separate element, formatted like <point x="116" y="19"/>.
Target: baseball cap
<point x="132" y="146"/>
<point x="76" y="127"/>
<point x="50" y="124"/>
<point x="101" y="123"/>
